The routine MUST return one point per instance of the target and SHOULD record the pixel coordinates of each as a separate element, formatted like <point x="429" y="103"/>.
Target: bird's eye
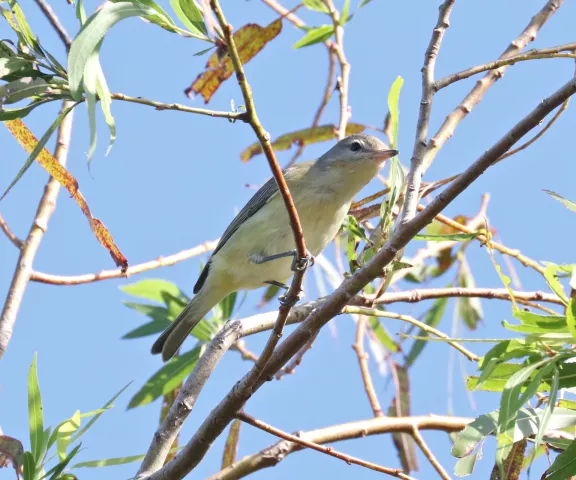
<point x="355" y="146"/>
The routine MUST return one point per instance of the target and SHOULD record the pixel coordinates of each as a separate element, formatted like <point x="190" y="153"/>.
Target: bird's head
<point x="357" y="151"/>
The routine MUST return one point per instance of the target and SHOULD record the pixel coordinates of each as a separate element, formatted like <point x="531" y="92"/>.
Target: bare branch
<point x="274" y="454"/>
<point x="394" y="472"/>
<point x="11" y="236"/>
<point x="55" y="22"/>
<point x="429" y="455"/>
<point x="132" y="270"/>
<point x="372" y="312"/>
<point x="32" y="243"/>
<point x="553" y="52"/>
<point x="364" y="370"/>
<point x="417" y="166"/>
<point x="233" y="116"/>
<point x="292" y="17"/>
<point x="338" y="48"/>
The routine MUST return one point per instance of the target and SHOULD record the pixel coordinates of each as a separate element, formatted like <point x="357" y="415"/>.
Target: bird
<point x="256" y="247"/>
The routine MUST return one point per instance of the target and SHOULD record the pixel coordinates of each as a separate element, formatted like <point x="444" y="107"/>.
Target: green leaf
<point x="109" y="462"/>
<point x="190" y="15"/>
<point x="92" y="32"/>
<point x="29" y="466"/>
<point x="454" y="237"/>
<point x="382" y="334"/>
<point x="23" y="29"/>
<point x="38" y="148"/>
<point x="58" y="469"/>
<point x="468" y="309"/>
<point x="155" y="312"/>
<point x="393" y="101"/>
<point x="14" y="113"/>
<point x="547" y="413"/>
<point x="35" y="415"/>
<point x="315" y="35"/>
<point x="105" y="99"/>
<point x="20" y="89"/>
<point x="465" y="466"/>
<point x="227" y="306"/>
<point x="351" y="224"/>
<point x="80" y="12"/>
<point x="167" y="378"/>
<point x="147" y="329"/>
<point x="107" y="406"/>
<point x="564" y="465"/>
<point x="551" y="276"/>
<point x="231" y="446"/>
<point x="571" y="317"/>
<point x="363" y="3"/>
<point x="345" y="12"/>
<point x="569" y="204"/>
<point x="432" y="318"/>
<point x="317" y="5"/>
<point x="153" y="289"/>
<point x="65" y="431"/>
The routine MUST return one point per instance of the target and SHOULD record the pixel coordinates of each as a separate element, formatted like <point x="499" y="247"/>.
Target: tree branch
<point x="274" y="454"/>
<point x="428" y="454"/>
<point x="394" y="472"/>
<point x="364" y="369"/>
<point x="132" y="270"/>
<point x="11" y="236"/>
<point x="553" y="52"/>
<point x="32" y="243"/>
<point x="417" y="166"/>
<point x="55" y="22"/>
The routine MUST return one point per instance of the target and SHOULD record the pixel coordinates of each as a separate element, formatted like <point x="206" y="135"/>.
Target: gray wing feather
<point x="260" y="198"/>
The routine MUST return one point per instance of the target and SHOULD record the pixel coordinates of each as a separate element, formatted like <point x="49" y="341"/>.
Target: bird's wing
<point x="261" y="197"/>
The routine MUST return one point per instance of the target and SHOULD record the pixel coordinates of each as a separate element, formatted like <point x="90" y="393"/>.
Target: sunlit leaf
<point x="167" y="378"/>
<point x="249" y="40"/>
<point x="454" y="237"/>
<point x="35" y="414"/>
<point x="571" y="316"/>
<point x="567" y="203"/>
<point x="307" y="136"/>
<point x="551" y="276"/>
<point x="29" y="142"/>
<point x="317" y="5"/>
<point x="20" y="89"/>
<point x="382" y="334"/>
<point x="432" y="318"/>
<point x="315" y="35"/>
<point x="153" y="289"/>
<point x="190" y="15"/>
<point x="564" y="465"/>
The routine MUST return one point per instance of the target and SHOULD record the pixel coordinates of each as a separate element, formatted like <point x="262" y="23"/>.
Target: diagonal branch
<point x="428" y="454"/>
<point x="10" y="234"/>
<point x="420" y="142"/>
<point x="274" y="454"/>
<point x="32" y="243"/>
<point x="55" y="22"/>
<point x="394" y="472"/>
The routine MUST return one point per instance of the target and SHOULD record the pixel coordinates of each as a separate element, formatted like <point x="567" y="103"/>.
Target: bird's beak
<point x="382" y="155"/>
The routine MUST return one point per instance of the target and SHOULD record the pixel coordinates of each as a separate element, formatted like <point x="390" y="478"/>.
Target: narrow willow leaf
<point x="344" y="17"/>
<point x="569" y="204"/>
<point x="14" y="113"/>
<point x="190" y="15"/>
<point x="20" y="89"/>
<point x="58" y="469"/>
<point x="38" y="148"/>
<point x="382" y="334"/>
<point x="547" y="413"/>
<point x="564" y="465"/>
<point x="393" y="101"/>
<point x="455" y="237"/>
<point x="35" y="414"/>
<point x="231" y="446"/>
<point x="153" y="289"/>
<point x="571" y="316"/>
<point x="80" y="12"/>
<point x="432" y="318"/>
<point x="551" y="276"/>
<point x="315" y="35"/>
<point x="317" y="5"/>
<point x="167" y="378"/>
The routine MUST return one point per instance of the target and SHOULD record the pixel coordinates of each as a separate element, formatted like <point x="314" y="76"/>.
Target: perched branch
<point x="364" y="370"/>
<point x="553" y="52"/>
<point x="32" y="243"/>
<point x="338" y="48"/>
<point x="372" y="312"/>
<point x="417" y="166"/>
<point x="394" y="472"/>
<point x="132" y="270"/>
<point x="11" y="236"/>
<point x="55" y="22"/>
<point x="428" y="454"/>
<point x="274" y="454"/>
<point x="232" y="116"/>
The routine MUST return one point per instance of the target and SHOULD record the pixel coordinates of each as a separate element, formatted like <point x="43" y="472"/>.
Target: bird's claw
<point x="300" y="264"/>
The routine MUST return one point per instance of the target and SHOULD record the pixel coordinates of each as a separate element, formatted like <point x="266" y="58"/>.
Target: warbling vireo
<point x="256" y="248"/>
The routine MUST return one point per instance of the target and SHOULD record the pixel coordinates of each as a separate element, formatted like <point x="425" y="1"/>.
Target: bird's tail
<point x="173" y="337"/>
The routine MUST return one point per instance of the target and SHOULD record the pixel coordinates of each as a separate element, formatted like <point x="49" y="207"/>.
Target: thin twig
<point x="37" y="230"/>
<point x="232" y="116"/>
<point x="477" y="93"/>
<point x="428" y="453"/>
<point x="10" y="234"/>
<point x="292" y="17"/>
<point x="407" y="318"/>
<point x="290" y="367"/>
<point x="55" y="22"/>
<point x="274" y="454"/>
<point x="553" y="52"/>
<point x="417" y="165"/>
<point x="364" y="370"/>
<point x="344" y="80"/>
<point x="132" y="270"/>
<point x="394" y="472"/>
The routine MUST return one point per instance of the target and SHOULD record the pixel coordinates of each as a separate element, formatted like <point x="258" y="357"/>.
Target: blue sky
<point x="174" y="180"/>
